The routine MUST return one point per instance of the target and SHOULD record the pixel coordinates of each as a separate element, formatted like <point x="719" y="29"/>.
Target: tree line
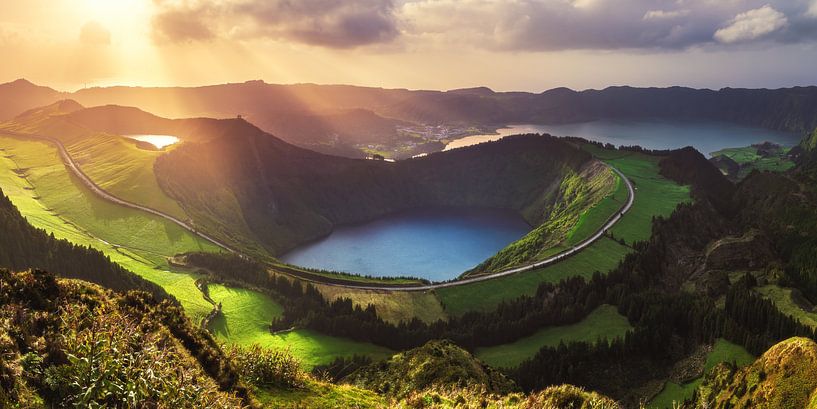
<point x="23" y="246"/>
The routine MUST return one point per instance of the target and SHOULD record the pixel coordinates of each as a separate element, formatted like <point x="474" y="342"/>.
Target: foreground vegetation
<point x="674" y="394"/>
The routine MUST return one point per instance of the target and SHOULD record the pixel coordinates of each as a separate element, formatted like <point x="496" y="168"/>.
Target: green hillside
<point x="655" y="196"/>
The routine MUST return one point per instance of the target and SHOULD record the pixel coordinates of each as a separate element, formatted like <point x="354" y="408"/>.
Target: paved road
<point x="74" y="168"/>
<point x="69" y="161"/>
<point x="558" y="257"/>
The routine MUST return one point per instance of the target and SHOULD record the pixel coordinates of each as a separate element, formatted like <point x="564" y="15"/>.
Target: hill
<point x="287" y="195"/>
<point x="252" y="189"/>
<point x="21" y="95"/>
<point x="440" y="374"/>
<point x="23" y="246"/>
<point x="67" y="343"/>
<point x="437" y="364"/>
<point x="344" y="120"/>
<point x="783" y="377"/>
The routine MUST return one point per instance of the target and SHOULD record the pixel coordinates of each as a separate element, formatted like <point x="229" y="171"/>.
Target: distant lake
<point x="706" y="137"/>
<point x="436" y="244"/>
<point x="159" y="141"/>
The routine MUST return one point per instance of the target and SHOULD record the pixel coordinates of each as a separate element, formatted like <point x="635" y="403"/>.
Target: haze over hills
<point x="345" y="120"/>
<point x="249" y="187"/>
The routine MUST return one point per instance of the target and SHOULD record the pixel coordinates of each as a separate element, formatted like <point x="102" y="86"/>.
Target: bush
<point x="264" y="367"/>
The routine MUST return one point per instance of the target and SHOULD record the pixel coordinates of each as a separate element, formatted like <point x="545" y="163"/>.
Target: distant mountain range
<point x="339" y="119"/>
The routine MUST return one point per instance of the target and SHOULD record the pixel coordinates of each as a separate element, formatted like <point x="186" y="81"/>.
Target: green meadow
<point x="592" y="219"/>
<point x="603" y="323"/>
<point x="781" y="297"/>
<point x="51" y="199"/>
<point x="749" y="160"/>
<point x="121" y="168"/>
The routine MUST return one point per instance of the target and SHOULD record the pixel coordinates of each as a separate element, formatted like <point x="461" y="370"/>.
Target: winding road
<point x="75" y="169"/>
<point x="539" y="264"/>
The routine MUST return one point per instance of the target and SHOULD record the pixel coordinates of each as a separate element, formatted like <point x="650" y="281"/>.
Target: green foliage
<point x="71" y="344"/>
<point x="114" y="362"/>
<point x="604" y="323"/>
<point x="724" y="351"/>
<point x="23" y="246"/>
<point x="783" y="377"/>
<point x="574" y="216"/>
<point x="751" y="158"/>
<point x="437" y="364"/>
<point x="266" y="368"/>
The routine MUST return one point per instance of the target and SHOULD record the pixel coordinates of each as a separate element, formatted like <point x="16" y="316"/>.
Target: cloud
<point x="182" y="22"/>
<point x="652" y="25"/>
<point x="752" y="25"/>
<point x="94" y="33"/>
<point x="326" y="23"/>
<point x="812" y="10"/>
<point x="664" y="14"/>
<point x="510" y="25"/>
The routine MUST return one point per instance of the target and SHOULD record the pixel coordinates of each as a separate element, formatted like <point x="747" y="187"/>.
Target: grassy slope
<point x="724" y="351"/>
<point x="51" y="199"/>
<point x="604" y="322"/>
<point x="597" y="215"/>
<point x="573" y="218"/>
<point x="118" y="166"/>
<point x="655" y="196"/>
<point x="748" y="158"/>
<point x="321" y="395"/>
<point x="393" y="307"/>
<point x="781" y="297"/>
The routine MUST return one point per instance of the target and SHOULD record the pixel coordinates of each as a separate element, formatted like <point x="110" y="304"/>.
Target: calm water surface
<point x="706" y="137"/>
<point x="159" y="141"/>
<point x="436" y="244"/>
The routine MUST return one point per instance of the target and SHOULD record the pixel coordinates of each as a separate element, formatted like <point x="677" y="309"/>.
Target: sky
<point x="521" y="45"/>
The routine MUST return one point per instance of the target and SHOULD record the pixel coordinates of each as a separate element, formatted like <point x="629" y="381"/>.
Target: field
<point x="655" y="196"/>
<point x="391" y="306"/>
<point x="604" y="322"/>
<point x="245" y="320"/>
<point x="749" y="160"/>
<point x="723" y="351"/>
<point x="781" y="297"/>
<point x="124" y="170"/>
<point x="51" y="199"/>
<point x="602" y="256"/>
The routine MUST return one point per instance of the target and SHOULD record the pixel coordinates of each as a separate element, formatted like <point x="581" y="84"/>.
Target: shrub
<point x="267" y="367"/>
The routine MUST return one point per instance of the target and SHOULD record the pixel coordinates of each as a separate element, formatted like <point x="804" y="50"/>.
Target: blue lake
<point x="706" y="137"/>
<point x="436" y="244"/>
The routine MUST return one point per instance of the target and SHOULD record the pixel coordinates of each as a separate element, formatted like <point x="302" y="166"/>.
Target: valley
<point x="592" y="212"/>
<point x="408" y="204"/>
